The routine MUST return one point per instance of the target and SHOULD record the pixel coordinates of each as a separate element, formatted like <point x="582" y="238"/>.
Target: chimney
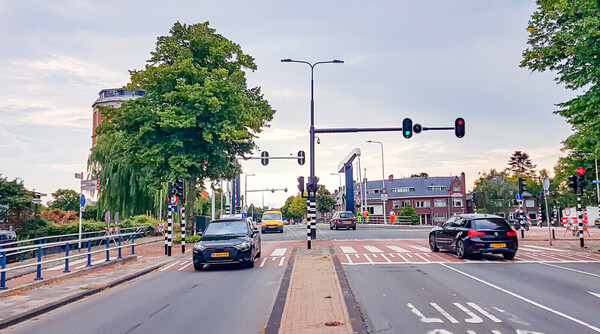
<point x="391" y="178"/>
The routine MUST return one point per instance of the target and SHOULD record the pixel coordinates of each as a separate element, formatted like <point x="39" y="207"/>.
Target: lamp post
<point x="339" y="176"/>
<point x="382" y="177"/>
<point x="246" y="191"/>
<point x="312" y="189"/>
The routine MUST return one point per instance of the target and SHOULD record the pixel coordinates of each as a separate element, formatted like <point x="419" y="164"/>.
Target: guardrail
<point x="5" y="252"/>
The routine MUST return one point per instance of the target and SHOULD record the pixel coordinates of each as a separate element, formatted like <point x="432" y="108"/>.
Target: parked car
<point x="228" y="241"/>
<point x="342" y="219"/>
<point x="5" y="238"/>
<point x="473" y="234"/>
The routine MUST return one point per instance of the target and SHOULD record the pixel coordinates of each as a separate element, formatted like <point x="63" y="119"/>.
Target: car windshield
<point x="231" y="227"/>
<point x="346" y="215"/>
<point x="272" y="216"/>
<point x="490" y="224"/>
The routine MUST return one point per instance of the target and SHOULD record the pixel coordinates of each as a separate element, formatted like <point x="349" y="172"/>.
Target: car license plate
<point x="272" y="226"/>
<point x="498" y="245"/>
<point x="346" y="222"/>
<point x="220" y="254"/>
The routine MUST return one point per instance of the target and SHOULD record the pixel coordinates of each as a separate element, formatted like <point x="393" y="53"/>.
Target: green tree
<point x="325" y="203"/>
<point x="564" y="38"/>
<point x="519" y="164"/>
<point x="285" y="209"/>
<point x="197" y="116"/>
<point x="297" y="209"/>
<point x="409" y="211"/>
<point x="15" y="202"/>
<point x="494" y="192"/>
<point x="65" y="199"/>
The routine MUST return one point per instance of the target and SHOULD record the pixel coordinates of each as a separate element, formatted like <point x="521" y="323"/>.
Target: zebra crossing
<point x="277" y="257"/>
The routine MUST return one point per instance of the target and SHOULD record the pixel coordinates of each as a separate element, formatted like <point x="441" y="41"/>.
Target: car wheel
<point x="250" y="264"/>
<point x="198" y="267"/>
<point x="336" y="227"/>
<point x="330" y="227"/>
<point x="354" y="228"/>
<point x="461" y="252"/>
<point x="509" y="256"/>
<point x="432" y="244"/>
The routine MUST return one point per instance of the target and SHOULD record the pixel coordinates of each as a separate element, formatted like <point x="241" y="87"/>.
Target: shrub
<point x="188" y="239"/>
<point x="58" y="216"/>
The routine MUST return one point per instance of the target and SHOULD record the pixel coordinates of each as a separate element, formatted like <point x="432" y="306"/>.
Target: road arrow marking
<point x="422" y="318"/>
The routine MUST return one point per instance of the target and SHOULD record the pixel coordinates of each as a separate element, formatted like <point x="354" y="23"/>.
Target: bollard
<point x="39" y="266"/>
<point x="553" y="234"/>
<point x="67" y="261"/>
<point x="522" y="234"/>
<point x="89" y="264"/>
<point x="133" y="245"/>
<point x="107" y="251"/>
<point x="119" y="257"/>
<point x="3" y="274"/>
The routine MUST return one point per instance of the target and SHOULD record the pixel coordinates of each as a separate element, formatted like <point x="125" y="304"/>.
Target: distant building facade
<point x="110" y="97"/>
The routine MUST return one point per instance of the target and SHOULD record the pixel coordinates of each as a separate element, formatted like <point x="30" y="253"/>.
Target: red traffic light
<point x="580" y="170"/>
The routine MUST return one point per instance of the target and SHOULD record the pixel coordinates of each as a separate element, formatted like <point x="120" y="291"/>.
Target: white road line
<point x="273" y="258"/>
<point x="357" y="256"/>
<point x="187" y="265"/>
<point x="183" y="262"/>
<point x="444" y="313"/>
<point x="422" y="318"/>
<point x="279" y="252"/>
<point x="474" y="318"/>
<point x="545" y="248"/>
<point x="422" y="249"/>
<point x="402" y="257"/>
<point x="391" y="255"/>
<point x="281" y="262"/>
<point x="169" y="266"/>
<point x="569" y="269"/>
<point x="189" y="250"/>
<point x="419" y="255"/>
<point x="262" y="264"/>
<point x="596" y="329"/>
<point x="388" y="260"/>
<point x="484" y="312"/>
<point x="397" y="249"/>
<point x="374" y="255"/>
<point x="348" y="250"/>
<point x="369" y="259"/>
<point x="349" y="260"/>
<point x="373" y="249"/>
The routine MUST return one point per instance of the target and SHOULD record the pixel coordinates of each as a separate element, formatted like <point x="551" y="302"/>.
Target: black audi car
<point x="474" y="234"/>
<point x="228" y="241"/>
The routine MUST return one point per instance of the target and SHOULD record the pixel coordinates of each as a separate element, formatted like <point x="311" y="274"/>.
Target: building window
<point x="457" y="202"/>
<point x="400" y="204"/>
<point x="457" y="189"/>
<point x="439" y="217"/>
<point x="439" y="203"/>
<point x="436" y="188"/>
<point x="403" y="189"/>
<point x="530" y="203"/>
<point x="422" y="204"/>
<point x="372" y="191"/>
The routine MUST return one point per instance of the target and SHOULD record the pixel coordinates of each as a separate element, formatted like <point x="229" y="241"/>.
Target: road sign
<point x="596" y="181"/>
<point x="546" y="184"/>
<point x="174" y="208"/>
<point x="244" y="215"/>
<point x="90" y="188"/>
<point x="383" y="191"/>
<point x="82" y="200"/>
<point x="172" y="199"/>
<point x="79" y="176"/>
<point x="36" y="201"/>
<point x="90" y="182"/>
<point x="518" y="196"/>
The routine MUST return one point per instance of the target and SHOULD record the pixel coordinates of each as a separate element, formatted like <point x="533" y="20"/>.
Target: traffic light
<point x="312" y="185"/>
<point x="573" y="183"/>
<point x="581" y="182"/>
<point x="417" y="128"/>
<point x="301" y="158"/>
<point x="179" y="189"/>
<point x="522" y="185"/>
<point x="459" y="127"/>
<point x="171" y="191"/>
<point x="301" y="185"/>
<point x="265" y="158"/>
<point x="407" y="128"/>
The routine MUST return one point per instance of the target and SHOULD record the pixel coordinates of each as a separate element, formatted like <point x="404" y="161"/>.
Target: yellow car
<point x="271" y="221"/>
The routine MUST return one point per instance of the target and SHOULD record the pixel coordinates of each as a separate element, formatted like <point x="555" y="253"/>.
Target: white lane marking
<point x="349" y="260"/>
<point x="169" y="266"/>
<point x="388" y="260"/>
<point x="444" y="313"/>
<point x="594" y="328"/>
<point x="407" y="255"/>
<point x="273" y="258"/>
<point x="391" y="255"/>
<point x="474" y="318"/>
<point x="496" y="332"/>
<point x="281" y="262"/>
<point x="484" y="312"/>
<point x="348" y="250"/>
<point x="141" y="256"/>
<point x="357" y="256"/>
<point x="373" y="249"/>
<point x="424" y="259"/>
<point x="422" y="249"/>
<point x="370" y="261"/>
<point x="397" y="249"/>
<point x="402" y="257"/>
<point x="569" y="269"/>
<point x="471" y="332"/>
<point x="262" y="264"/>
<point x="545" y="248"/>
<point x="189" y="250"/>
<point x="594" y="294"/>
<point x="279" y="252"/>
<point x="187" y="265"/>
<point x="422" y="318"/>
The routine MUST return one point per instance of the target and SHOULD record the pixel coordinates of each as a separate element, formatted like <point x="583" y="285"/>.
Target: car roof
<point x="223" y="220"/>
<point x="474" y="216"/>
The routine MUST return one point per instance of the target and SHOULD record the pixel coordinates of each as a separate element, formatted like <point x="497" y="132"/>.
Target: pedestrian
<point x="359" y="216"/>
<point x="366" y="216"/>
<point x="392" y="217"/>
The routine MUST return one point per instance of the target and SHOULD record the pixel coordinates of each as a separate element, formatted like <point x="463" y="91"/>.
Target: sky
<point x="431" y="61"/>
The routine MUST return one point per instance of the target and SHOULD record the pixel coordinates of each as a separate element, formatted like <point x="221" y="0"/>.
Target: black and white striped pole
<point x="182" y="228"/>
<point x="167" y="236"/>
<point x="580" y="220"/>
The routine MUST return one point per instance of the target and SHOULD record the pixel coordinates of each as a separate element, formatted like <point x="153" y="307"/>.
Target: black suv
<point x="228" y="241"/>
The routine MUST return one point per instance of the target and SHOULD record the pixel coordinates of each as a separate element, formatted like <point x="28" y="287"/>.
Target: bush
<point x="58" y="216"/>
<point x="188" y="239"/>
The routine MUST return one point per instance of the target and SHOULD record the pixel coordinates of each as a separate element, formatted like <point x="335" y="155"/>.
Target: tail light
<point x="511" y="234"/>
<point x="338" y="219"/>
<point x="473" y="233"/>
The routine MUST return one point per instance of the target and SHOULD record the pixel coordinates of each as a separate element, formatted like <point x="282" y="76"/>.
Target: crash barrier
<point x="53" y="239"/>
<point x="67" y="245"/>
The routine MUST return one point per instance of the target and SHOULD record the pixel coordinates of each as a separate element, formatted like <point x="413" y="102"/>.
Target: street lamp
<point x="339" y="176"/>
<point x="311" y="179"/>
<point x="382" y="177"/>
<point x="246" y="191"/>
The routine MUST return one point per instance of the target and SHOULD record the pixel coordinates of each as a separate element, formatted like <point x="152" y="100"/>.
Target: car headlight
<point x="199" y="247"/>
<point x="244" y="246"/>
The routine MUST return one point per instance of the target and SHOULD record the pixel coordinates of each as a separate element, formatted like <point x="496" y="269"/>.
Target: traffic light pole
<point x="548" y="220"/>
<point x="580" y="220"/>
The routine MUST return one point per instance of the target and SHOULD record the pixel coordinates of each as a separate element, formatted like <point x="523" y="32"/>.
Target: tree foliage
<point x="297" y="209"/>
<point x="15" y="201"/>
<point x="197" y="116"/>
<point x="65" y="199"/>
<point x="519" y="164"/>
<point x="325" y="203"/>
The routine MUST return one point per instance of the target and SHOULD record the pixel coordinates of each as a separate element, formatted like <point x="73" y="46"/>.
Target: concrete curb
<point x="277" y="313"/>
<point x="357" y="319"/>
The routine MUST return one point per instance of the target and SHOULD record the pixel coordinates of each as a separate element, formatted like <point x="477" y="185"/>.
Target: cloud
<point x="65" y="167"/>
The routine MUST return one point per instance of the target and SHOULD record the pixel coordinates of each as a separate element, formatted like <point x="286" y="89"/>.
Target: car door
<point x="442" y="236"/>
<point x="255" y="239"/>
<point x="457" y="230"/>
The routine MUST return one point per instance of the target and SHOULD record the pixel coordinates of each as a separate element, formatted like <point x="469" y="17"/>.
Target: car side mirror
<point x="254" y="230"/>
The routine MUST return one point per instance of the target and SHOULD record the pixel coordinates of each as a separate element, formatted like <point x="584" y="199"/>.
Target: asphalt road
<point x="478" y="297"/>
<point x="219" y="300"/>
<point x="298" y="232"/>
